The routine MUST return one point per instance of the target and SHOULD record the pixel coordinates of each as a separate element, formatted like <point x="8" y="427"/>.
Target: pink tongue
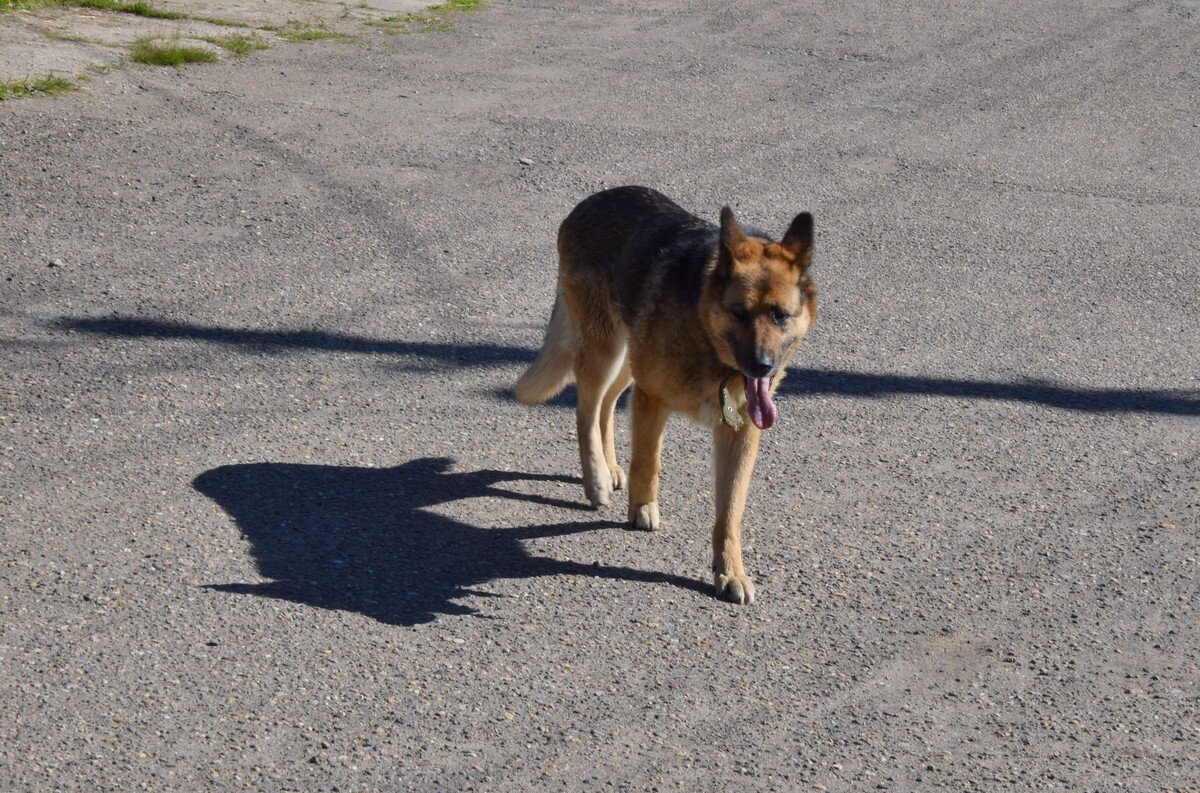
<point x="758" y="402"/>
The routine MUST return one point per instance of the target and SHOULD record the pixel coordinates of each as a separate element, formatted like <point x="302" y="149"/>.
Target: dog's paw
<point x="644" y="516"/>
<point x="599" y="496"/>
<point x="734" y="588"/>
<point x="599" y="490"/>
<point x="618" y="478"/>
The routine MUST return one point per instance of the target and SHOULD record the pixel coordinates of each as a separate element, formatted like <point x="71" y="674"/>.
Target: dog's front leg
<point x="733" y="460"/>
<point x="648" y="416"/>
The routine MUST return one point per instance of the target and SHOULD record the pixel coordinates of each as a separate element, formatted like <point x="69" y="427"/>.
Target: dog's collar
<point x="730" y="416"/>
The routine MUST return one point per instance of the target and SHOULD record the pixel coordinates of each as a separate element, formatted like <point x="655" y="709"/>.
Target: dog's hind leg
<point x="607" y="409"/>
<point x="597" y="364"/>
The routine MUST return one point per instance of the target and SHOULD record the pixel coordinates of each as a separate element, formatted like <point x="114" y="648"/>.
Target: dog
<point x="701" y="319"/>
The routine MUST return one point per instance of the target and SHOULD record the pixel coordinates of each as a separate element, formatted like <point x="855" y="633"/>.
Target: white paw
<point x="644" y="516"/>
<point x="599" y="490"/>
<point x="734" y="588"/>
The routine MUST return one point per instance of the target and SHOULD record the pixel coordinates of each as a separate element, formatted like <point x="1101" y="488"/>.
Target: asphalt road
<point x="271" y="520"/>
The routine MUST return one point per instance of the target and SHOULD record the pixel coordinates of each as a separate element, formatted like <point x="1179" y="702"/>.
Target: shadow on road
<point x="810" y="382"/>
<point x="276" y="341"/>
<point x="365" y="540"/>
<point x="800" y="382"/>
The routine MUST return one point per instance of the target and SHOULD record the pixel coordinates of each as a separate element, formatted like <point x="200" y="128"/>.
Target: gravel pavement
<point x="271" y="520"/>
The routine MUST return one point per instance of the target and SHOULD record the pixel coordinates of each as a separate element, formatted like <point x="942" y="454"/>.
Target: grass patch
<point x="35" y="86"/>
<point x="313" y="34"/>
<point x="239" y="43"/>
<point x="137" y="7"/>
<point x="438" y="17"/>
<point x="172" y="52"/>
<point x="20" y="5"/>
<point x="222" y="21"/>
<point x="58" y="35"/>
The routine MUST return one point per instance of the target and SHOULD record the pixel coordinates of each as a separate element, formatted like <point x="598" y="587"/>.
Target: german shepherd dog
<point x="701" y="319"/>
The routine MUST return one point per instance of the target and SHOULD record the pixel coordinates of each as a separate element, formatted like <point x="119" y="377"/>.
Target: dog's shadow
<point x="364" y="539"/>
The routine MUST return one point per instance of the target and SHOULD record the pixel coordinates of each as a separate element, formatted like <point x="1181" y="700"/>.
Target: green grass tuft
<point x="20" y="5"/>
<point x="222" y="21"/>
<point x="313" y="34"/>
<point x="239" y="43"/>
<point x="137" y="7"/>
<point x="436" y="17"/>
<point x="58" y="35"/>
<point x="35" y="86"/>
<point x="154" y="52"/>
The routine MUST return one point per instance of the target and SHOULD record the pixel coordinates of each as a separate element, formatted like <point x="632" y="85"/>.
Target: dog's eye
<point x="779" y="317"/>
<point x="740" y="314"/>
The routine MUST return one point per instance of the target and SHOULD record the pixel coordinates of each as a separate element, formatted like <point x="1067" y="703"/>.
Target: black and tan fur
<point x="651" y="295"/>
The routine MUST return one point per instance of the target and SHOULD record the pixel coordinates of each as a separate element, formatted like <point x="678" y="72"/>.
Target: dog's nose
<point x="762" y="366"/>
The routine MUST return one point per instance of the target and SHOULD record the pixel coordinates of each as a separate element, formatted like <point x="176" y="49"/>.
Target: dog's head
<point x="760" y="302"/>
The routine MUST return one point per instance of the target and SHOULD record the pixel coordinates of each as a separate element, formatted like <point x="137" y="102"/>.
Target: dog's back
<point x="635" y="243"/>
<point x="621" y="252"/>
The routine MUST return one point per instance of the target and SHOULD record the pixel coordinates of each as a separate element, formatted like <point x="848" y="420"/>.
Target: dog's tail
<point x="551" y="371"/>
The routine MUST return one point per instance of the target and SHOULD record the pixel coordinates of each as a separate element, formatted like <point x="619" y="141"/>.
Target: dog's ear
<point x="799" y="239"/>
<point x="732" y="238"/>
<point x="731" y="233"/>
